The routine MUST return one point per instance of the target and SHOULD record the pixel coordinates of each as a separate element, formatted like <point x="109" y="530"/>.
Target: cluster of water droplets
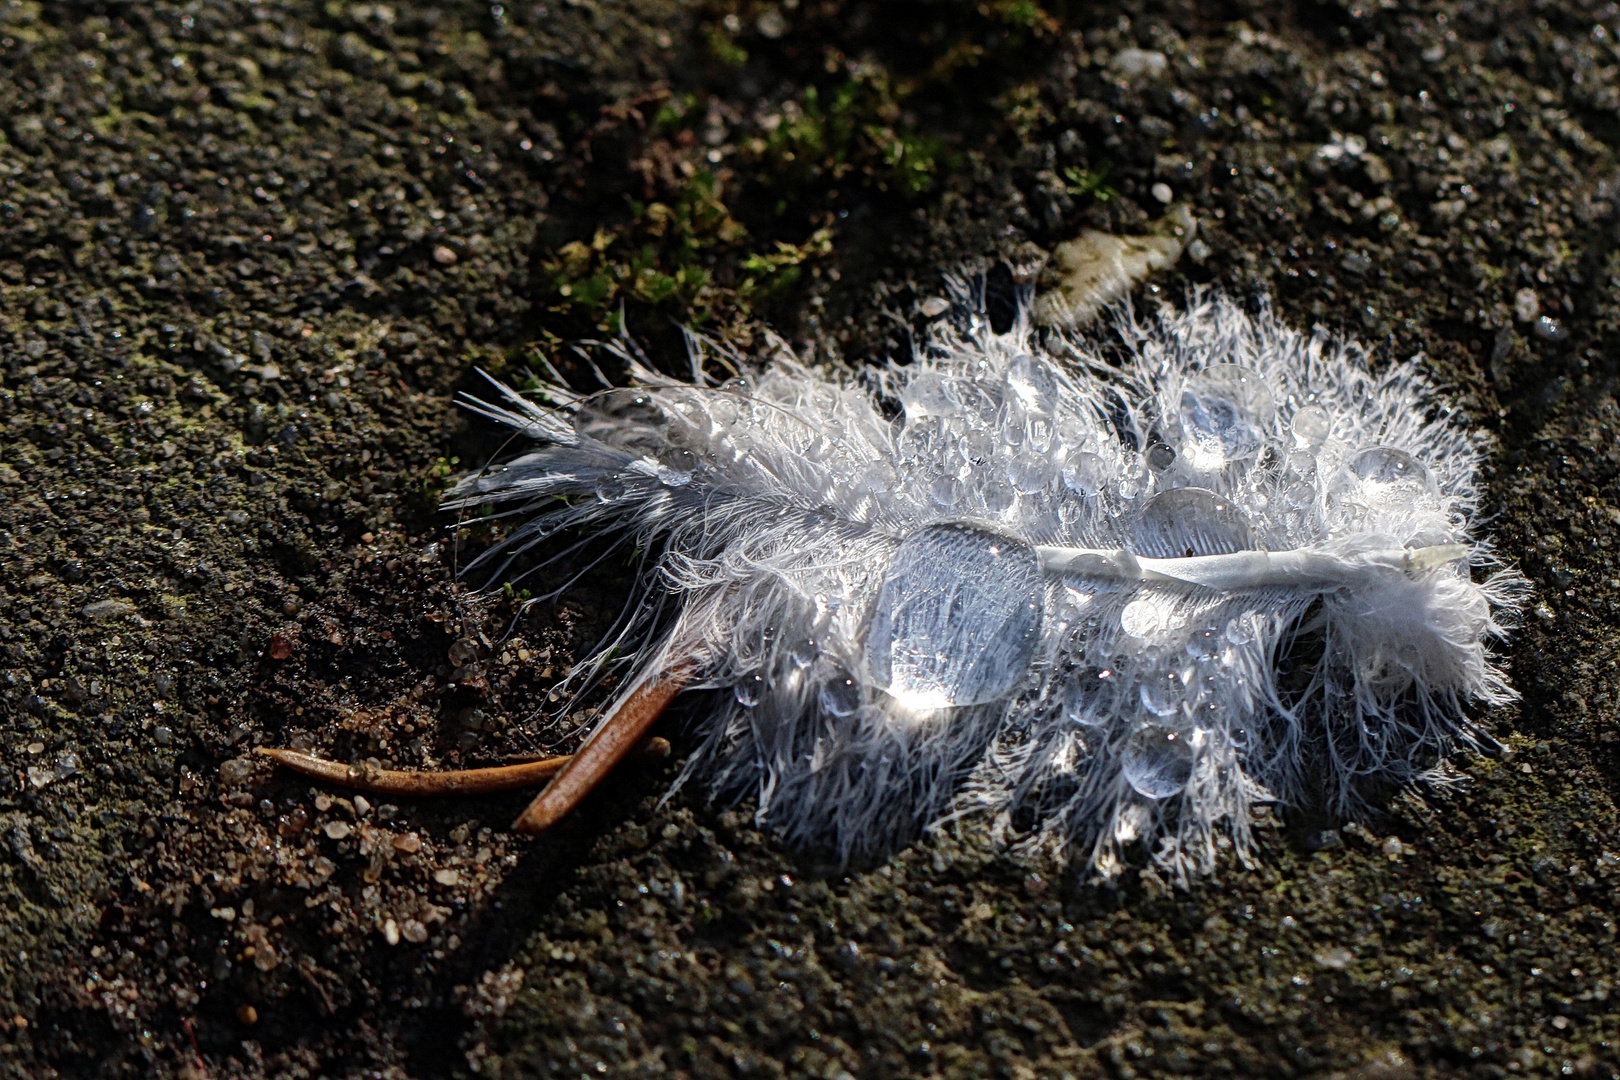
<point x="1219" y="463"/>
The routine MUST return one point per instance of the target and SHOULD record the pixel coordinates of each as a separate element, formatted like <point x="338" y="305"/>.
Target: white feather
<point x="1100" y="648"/>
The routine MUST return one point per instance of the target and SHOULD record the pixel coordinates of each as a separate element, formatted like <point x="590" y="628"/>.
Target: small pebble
<point x="444" y="256"/>
<point x="248" y="1015"/>
<point x="337" y="830"/>
<point x="1162" y="192"/>
<point x="391" y="932"/>
<point x="1526" y="305"/>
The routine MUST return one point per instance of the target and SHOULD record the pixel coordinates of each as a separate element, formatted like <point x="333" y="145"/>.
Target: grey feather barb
<point x="1126" y="585"/>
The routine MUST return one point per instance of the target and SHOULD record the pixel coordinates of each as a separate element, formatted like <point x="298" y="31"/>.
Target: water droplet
<point x="1312" y="425"/>
<point x="804" y="652"/>
<point x="1157" y="761"/>
<point x="1092" y="699"/>
<point x="1084" y="473"/>
<point x="1160" y="457"/>
<point x="1151" y="617"/>
<point x="1040" y="433"/>
<point x="1029" y="473"/>
<point x="749" y="690"/>
<point x="1302" y="463"/>
<point x="840" y="695"/>
<point x="998" y="496"/>
<point x="1239" y="632"/>
<point x="926" y="394"/>
<point x="609" y="488"/>
<point x="1225" y="411"/>
<point x="1031" y="384"/>
<point x="1162" y="693"/>
<point x="957" y="618"/>
<point x="1391" y="478"/>
<point x="943" y="491"/>
<point x="1298" y="496"/>
<point x="1205" y="643"/>
<point x="1190" y="521"/>
<point x="723" y="411"/>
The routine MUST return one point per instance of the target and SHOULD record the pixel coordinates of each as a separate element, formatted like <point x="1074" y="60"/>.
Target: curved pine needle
<point x="605" y="748"/>
<point x="414" y="783"/>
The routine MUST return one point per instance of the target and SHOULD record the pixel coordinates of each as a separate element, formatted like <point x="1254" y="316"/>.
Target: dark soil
<point x="249" y="250"/>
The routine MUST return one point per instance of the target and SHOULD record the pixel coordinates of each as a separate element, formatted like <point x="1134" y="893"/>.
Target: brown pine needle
<point x="605" y="748"/>
<point x="417" y="783"/>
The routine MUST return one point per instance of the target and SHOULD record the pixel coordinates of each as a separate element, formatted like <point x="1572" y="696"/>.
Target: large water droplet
<point x="673" y="477"/>
<point x="1190" y="521"/>
<point x="1157" y="760"/>
<point x="1239" y="632"/>
<point x="723" y="411"/>
<point x="957" y="619"/>
<point x="1390" y="478"/>
<point x="1225" y="411"/>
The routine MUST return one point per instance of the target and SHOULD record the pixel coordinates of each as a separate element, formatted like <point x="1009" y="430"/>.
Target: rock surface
<point x="248" y="251"/>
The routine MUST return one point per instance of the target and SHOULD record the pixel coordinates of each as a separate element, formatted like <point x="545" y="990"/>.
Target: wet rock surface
<point x="249" y="250"/>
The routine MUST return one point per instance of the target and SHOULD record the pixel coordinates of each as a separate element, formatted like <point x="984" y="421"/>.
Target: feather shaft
<point x="1307" y="568"/>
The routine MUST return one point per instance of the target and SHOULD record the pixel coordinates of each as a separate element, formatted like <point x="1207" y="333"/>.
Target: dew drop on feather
<point x="1151" y="618"/>
<point x="1090" y="699"/>
<point x="1157" y="760"/>
<point x="1031" y="384"/>
<point x="1391" y="478"/>
<point x="926" y="395"/>
<point x="749" y="690"/>
<point x="957" y="618"/>
<point x="1205" y="643"/>
<point x="1084" y="473"/>
<point x="803" y="652"/>
<point x="1312" y="425"/>
<point x="1190" y="521"/>
<point x="1226" y="411"/>
<point x="840" y="695"/>
<point x="1162" y="693"/>
<point x="1029" y="473"/>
